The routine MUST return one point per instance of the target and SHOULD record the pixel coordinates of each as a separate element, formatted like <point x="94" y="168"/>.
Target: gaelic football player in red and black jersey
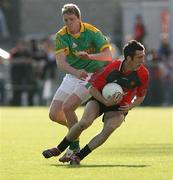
<point x="133" y="77"/>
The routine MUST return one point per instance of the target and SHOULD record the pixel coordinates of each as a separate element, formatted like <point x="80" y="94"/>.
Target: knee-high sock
<point x="63" y="144"/>
<point x="84" y="152"/>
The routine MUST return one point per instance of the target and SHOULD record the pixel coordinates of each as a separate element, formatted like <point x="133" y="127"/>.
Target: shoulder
<point x="114" y="65"/>
<point x="143" y="70"/>
<point x="143" y="73"/>
<point x="91" y="27"/>
<point x="62" y="31"/>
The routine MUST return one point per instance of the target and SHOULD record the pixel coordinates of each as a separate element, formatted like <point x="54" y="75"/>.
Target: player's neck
<point x="76" y="30"/>
<point x="126" y="67"/>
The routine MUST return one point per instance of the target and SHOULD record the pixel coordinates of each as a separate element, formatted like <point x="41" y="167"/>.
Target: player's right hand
<point x="118" y="97"/>
<point x="109" y="102"/>
<point x="81" y="74"/>
<point x="115" y="99"/>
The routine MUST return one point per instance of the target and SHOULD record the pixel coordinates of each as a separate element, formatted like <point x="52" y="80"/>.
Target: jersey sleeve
<point x="142" y="90"/>
<point x="60" y="44"/>
<point x="100" y="41"/>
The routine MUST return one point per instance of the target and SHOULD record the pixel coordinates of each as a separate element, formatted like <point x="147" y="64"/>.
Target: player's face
<point x="138" y="59"/>
<point x="72" y="22"/>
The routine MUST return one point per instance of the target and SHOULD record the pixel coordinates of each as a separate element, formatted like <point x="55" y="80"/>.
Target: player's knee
<point x="111" y="127"/>
<point x="118" y="123"/>
<point x="84" y="125"/>
<point x="52" y="116"/>
<point x="55" y="116"/>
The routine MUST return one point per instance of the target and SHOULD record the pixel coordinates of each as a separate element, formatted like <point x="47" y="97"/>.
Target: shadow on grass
<point x="100" y="165"/>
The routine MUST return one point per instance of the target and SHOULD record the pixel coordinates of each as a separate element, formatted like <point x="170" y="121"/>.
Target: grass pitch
<point x="141" y="149"/>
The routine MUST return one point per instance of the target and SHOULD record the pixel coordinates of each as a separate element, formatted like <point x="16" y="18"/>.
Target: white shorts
<point x="72" y="85"/>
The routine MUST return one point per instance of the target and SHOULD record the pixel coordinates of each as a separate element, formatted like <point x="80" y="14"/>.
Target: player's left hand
<point x="117" y="98"/>
<point x="124" y="108"/>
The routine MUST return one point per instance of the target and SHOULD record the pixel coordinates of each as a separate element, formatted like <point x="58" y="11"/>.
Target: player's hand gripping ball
<point x="112" y="90"/>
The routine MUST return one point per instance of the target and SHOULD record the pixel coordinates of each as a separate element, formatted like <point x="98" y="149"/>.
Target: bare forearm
<point x="105" y="55"/>
<point x="66" y="67"/>
<point x="62" y="64"/>
<point x="101" y="57"/>
<point x="96" y="94"/>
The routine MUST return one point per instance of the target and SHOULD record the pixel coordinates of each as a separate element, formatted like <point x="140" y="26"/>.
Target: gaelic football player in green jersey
<point x="81" y="49"/>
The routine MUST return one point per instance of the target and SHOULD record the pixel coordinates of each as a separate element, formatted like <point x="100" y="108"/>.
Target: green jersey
<point x="90" y="39"/>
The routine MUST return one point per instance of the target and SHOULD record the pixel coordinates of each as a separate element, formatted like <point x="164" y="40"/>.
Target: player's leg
<point x="69" y="107"/>
<point x="63" y="92"/>
<point x="112" y="121"/>
<point x="91" y="112"/>
<point x="79" y="94"/>
<point x="56" y="113"/>
<point x="56" y="109"/>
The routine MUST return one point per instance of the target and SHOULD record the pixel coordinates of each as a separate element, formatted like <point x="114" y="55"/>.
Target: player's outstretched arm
<point x="104" y="55"/>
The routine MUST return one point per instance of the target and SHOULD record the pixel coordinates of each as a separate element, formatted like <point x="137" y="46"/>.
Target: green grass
<point x="141" y="149"/>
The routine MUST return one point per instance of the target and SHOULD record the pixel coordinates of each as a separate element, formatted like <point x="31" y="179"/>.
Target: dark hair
<point x="71" y="9"/>
<point x="131" y="47"/>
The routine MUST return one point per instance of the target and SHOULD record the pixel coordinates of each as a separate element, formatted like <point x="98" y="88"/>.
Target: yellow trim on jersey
<point x="105" y="46"/>
<point x="66" y="50"/>
<point x="90" y="27"/>
<point x="62" y="31"/>
<point x="82" y="27"/>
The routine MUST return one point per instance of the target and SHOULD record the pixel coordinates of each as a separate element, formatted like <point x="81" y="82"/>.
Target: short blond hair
<point x="71" y="9"/>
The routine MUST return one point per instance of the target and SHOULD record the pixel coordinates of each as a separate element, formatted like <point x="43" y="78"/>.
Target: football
<point x="111" y="89"/>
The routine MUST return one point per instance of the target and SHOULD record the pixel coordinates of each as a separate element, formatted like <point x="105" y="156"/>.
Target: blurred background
<point x="28" y="72"/>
